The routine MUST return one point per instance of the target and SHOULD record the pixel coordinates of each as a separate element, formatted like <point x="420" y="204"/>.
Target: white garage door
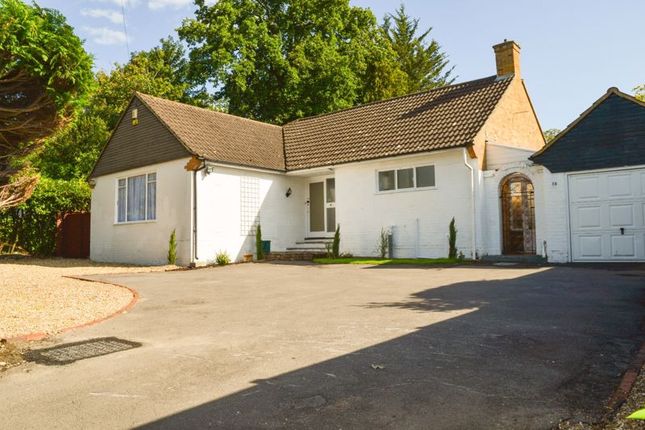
<point x="608" y="215"/>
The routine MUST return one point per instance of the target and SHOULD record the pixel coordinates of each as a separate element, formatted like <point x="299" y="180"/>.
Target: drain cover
<point x="71" y="352"/>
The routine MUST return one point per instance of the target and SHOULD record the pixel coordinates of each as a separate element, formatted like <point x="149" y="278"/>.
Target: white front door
<point x="321" y="207"/>
<point x="608" y="215"/>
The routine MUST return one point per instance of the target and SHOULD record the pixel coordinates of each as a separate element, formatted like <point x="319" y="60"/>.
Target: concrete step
<point x="514" y="259"/>
<point x="307" y="249"/>
<point x="313" y="241"/>
<point x="294" y="255"/>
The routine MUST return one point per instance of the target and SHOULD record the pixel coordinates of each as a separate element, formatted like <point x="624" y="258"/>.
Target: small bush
<point x="222" y="258"/>
<point x="172" y="248"/>
<point x="383" y="246"/>
<point x="259" y="252"/>
<point x="452" y="239"/>
<point x="335" y="249"/>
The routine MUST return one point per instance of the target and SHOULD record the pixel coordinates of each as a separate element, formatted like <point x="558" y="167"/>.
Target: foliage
<point x="259" y="252"/>
<point x="640" y="92"/>
<point x="33" y="224"/>
<point x="276" y="60"/>
<point x="45" y="75"/>
<point x="423" y="62"/>
<point x="452" y="239"/>
<point x="222" y="258"/>
<point x="387" y="261"/>
<point x="335" y="249"/>
<point x="383" y="244"/>
<point x="550" y="134"/>
<point x="638" y="415"/>
<point x="172" y="248"/>
<point x="72" y="152"/>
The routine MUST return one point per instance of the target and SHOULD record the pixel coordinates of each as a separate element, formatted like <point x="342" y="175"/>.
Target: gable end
<point x="131" y="146"/>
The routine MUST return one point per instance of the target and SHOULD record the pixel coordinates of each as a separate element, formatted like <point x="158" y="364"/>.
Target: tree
<point x="424" y="63"/>
<point x="640" y="92"/>
<point x="45" y="75"/>
<point x="550" y="134"/>
<point x="276" y="60"/>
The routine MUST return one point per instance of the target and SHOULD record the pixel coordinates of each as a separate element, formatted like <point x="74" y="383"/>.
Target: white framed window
<point x="136" y="198"/>
<point x="408" y="178"/>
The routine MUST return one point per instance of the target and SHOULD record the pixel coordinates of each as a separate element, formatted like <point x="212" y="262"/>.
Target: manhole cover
<point x="71" y="352"/>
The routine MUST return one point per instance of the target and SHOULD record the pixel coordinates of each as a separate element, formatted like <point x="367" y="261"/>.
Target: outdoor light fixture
<point x="288" y="194"/>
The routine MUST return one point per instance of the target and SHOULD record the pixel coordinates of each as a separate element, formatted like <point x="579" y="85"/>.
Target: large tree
<point x="45" y="74"/>
<point x="420" y="57"/>
<point x="276" y="60"/>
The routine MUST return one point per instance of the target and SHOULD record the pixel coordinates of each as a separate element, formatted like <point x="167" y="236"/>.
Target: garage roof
<point x="611" y="133"/>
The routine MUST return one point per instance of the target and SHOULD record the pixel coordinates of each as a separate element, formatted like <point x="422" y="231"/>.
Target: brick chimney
<point x="507" y="58"/>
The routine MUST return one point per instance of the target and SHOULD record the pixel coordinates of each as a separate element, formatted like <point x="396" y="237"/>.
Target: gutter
<point x="472" y="200"/>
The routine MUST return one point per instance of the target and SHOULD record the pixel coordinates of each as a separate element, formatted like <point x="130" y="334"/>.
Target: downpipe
<point x="472" y="202"/>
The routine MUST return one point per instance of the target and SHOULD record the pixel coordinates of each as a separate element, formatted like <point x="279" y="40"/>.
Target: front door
<point x="518" y="215"/>
<point x="322" y="207"/>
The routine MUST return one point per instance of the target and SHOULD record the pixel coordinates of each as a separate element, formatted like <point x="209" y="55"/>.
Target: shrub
<point x="259" y="252"/>
<point x="335" y="248"/>
<point x="452" y="239"/>
<point x="383" y="246"/>
<point x="222" y="258"/>
<point x="172" y="248"/>
<point x="32" y="225"/>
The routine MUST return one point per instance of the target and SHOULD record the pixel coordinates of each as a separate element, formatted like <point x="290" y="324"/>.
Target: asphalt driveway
<point x="301" y="346"/>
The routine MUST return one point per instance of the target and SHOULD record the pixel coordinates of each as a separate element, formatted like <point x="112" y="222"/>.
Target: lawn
<point x="391" y="261"/>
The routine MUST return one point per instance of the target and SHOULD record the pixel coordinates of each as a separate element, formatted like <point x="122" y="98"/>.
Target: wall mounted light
<point x="288" y="193"/>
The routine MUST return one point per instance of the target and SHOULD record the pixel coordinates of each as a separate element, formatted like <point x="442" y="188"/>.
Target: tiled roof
<point x="221" y="137"/>
<point x="444" y="117"/>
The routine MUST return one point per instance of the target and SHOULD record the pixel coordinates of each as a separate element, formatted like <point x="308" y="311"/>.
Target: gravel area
<point x="35" y="296"/>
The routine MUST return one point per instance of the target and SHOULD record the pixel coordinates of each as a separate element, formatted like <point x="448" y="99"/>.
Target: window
<point x="425" y="176"/>
<point x="404" y="178"/>
<point x="137" y="198"/>
<point x="386" y="180"/>
<point x="408" y="178"/>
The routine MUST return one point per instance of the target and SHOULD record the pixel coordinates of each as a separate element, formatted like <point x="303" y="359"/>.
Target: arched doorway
<point x="518" y="215"/>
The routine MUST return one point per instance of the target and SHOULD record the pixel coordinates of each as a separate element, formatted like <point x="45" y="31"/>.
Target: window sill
<point x="146" y="221"/>
<point x="406" y="190"/>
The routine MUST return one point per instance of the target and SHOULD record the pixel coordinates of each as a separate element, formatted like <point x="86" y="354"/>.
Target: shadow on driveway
<point x="529" y="352"/>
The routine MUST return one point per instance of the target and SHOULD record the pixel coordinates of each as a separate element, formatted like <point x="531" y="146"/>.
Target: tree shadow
<point x="524" y="352"/>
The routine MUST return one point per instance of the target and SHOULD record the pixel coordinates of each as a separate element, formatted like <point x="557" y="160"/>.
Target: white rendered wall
<point x="219" y="212"/>
<point x="144" y="242"/>
<point x="419" y="218"/>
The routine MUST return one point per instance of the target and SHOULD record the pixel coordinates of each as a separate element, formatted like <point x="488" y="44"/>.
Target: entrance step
<point x="514" y="259"/>
<point x="295" y="255"/>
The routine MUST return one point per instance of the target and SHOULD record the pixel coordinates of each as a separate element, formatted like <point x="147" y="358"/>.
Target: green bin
<point x="266" y="246"/>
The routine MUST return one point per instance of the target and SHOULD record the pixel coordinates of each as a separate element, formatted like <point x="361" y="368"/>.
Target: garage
<point x="600" y="160"/>
<point x="607" y="215"/>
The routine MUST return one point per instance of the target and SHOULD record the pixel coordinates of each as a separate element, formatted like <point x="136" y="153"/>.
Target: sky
<point x="572" y="50"/>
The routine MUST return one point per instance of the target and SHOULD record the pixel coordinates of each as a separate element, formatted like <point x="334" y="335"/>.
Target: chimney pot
<point x="507" y="58"/>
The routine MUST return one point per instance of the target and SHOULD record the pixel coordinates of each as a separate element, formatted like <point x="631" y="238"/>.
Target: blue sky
<point x="572" y="50"/>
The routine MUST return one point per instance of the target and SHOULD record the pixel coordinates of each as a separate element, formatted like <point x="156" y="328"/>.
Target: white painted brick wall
<point x="361" y="211"/>
<point x="218" y="218"/>
<point x="142" y="242"/>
